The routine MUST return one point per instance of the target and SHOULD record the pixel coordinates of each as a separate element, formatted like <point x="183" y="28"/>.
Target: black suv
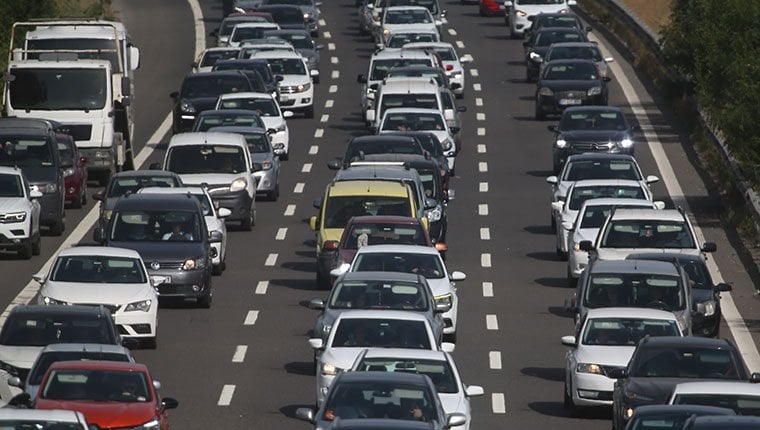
<point x="169" y="232"/>
<point x="199" y="92"/>
<point x="659" y="363"/>
<point x="31" y="144"/>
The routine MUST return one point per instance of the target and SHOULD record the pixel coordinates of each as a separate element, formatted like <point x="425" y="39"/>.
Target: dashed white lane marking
<point x="485" y="260"/>
<point x="480" y="116"/>
<point x="487" y="289"/>
<point x="313" y="149"/>
<point x="306" y="167"/>
<point x="251" y="317"/>
<point x="281" y="233"/>
<point x="481" y="131"/>
<point x="298" y="189"/>
<point x="335" y="74"/>
<point x="322" y="22"/>
<point x="494" y="360"/>
<point x="498" y="405"/>
<point x="331" y="46"/>
<point x="239" y="355"/>
<point x="491" y="322"/>
<point x="483" y="166"/>
<point x="324" y="118"/>
<point x="481" y="148"/>
<point x="474" y="72"/>
<point x="478" y="101"/>
<point x="452" y="32"/>
<point x="483" y="209"/>
<point x="271" y="260"/>
<point x="261" y="287"/>
<point x="329" y="104"/>
<point x="485" y="233"/>
<point x="460" y="44"/>
<point x="334" y="60"/>
<point x="319" y="132"/>
<point x="290" y="210"/>
<point x="483" y="187"/>
<point x="333" y="89"/>
<point x="476" y="87"/>
<point x="326" y="34"/>
<point x="225" y="398"/>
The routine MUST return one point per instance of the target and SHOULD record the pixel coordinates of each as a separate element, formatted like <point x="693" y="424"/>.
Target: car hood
<point x="196" y="179"/>
<point x="41" y="174"/>
<point x="594" y="135"/>
<point x="19" y="356"/>
<point x="618" y="356"/>
<point x="105" y="414"/>
<point x="202" y="103"/>
<point x="454" y="402"/>
<point x="12" y="204"/>
<point x="292" y="26"/>
<point x="341" y="357"/>
<point x="570" y="85"/>
<point x="163" y="251"/>
<point x="272" y="121"/>
<point x="622" y="253"/>
<point x="292" y="80"/>
<point x="533" y="9"/>
<point x="658" y="389"/>
<point x="440" y="287"/>
<point x="89" y="293"/>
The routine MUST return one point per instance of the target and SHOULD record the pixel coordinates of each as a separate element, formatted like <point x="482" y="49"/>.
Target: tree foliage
<point x="20" y="10"/>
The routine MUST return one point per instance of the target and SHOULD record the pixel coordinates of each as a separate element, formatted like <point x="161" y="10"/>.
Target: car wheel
<point x="450" y="337"/>
<point x="553" y="222"/>
<point x="205" y="300"/>
<point x="58" y="227"/>
<point x="150" y="343"/>
<point x="37" y="244"/>
<point x="572" y="282"/>
<point x="217" y="269"/>
<point x="77" y="202"/>
<point x="24" y="252"/>
<point x="247" y="223"/>
<point x="274" y="194"/>
<point x="540" y="114"/>
<point x="309" y="112"/>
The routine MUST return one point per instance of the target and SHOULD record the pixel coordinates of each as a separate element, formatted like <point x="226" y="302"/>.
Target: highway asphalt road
<point x="246" y="362"/>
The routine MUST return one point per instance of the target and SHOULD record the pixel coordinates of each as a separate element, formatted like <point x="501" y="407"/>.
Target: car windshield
<point x="208" y="120"/>
<point x="340" y="209"/>
<point x="25" y="152"/>
<point x="419" y="72"/>
<point x="593" y="120"/>
<point x="408" y="16"/>
<point x="439" y="371"/>
<point x="594" y="216"/>
<point x="38" y="424"/>
<point x="698" y="274"/>
<point x="360" y="235"/>
<point x="156" y="226"/>
<point x="685" y="362"/>
<point x="46" y="359"/>
<point x="89" y="48"/>
<point x="381" y="400"/>
<point x="425" y="101"/>
<point x="379" y="295"/>
<point x="547" y="37"/>
<point x="211" y="57"/>
<point x="398" y="40"/>
<point x="429" y="183"/>
<point x="58" y="89"/>
<point x="580" y="71"/>
<point x="427" y="265"/>
<point x="299" y="41"/>
<point x="381" y="333"/>
<point x="647" y="234"/>
<point x="287" y="66"/>
<point x="240" y="33"/>
<point x="626" y="331"/>
<point x="574" y="52"/>
<point x="11" y="186"/>
<point x="564" y="20"/>
<point x="213" y="86"/>
<point x="262" y="106"/>
<point x="42" y="330"/>
<point x="431" y="5"/>
<point x="355" y="150"/>
<point x="122" y="185"/>
<point x="96" y="385"/>
<point x="641" y="290"/>
<point x="578" y="170"/>
<point x="581" y="194"/>
<point x="408" y="121"/>
<point x="380" y="68"/>
<point x="741" y="404"/>
<point x="98" y="270"/>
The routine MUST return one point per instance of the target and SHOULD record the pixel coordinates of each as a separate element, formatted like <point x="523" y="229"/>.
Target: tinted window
<point x="407" y="16"/>
<point x="98" y="269"/>
<point x="685" y="362"/>
<point x="573" y="72"/>
<point x="634" y="290"/>
<point x="413" y="122"/>
<point x="213" y="86"/>
<point x="581" y="194"/>
<point x="380" y="400"/>
<point x="578" y="170"/>
<point x="206" y="159"/>
<point x="156" y="226"/>
<point x="427" y="265"/>
<point x="626" y="331"/>
<point x="648" y="234"/>
<point x="380" y="68"/>
<point x="11" y="186"/>
<point x="42" y="330"/>
<point x="363" y="234"/>
<point x="427" y="101"/>
<point x="341" y="209"/>
<point x="379" y="295"/>
<point x="383" y="333"/>
<point x="380" y="147"/>
<point x="207" y="120"/>
<point x="262" y="106"/>
<point x="211" y="57"/>
<point x="45" y="360"/>
<point x="97" y="385"/>
<point x="287" y="66"/>
<point x="593" y="120"/>
<point x="25" y="152"/>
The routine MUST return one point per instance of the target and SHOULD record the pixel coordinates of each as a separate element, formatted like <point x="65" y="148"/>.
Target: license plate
<point x="284" y="98"/>
<point x="569" y="102"/>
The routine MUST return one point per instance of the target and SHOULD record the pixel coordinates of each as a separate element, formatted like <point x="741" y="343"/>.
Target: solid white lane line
<point x="333" y="89"/>
<point x="331" y="46"/>
<point x="485" y="260"/>
<point x="481" y="148"/>
<point x="271" y="260"/>
<point x="321" y="23"/>
<point x="335" y="74"/>
<point x="324" y="118"/>
<point x="239" y="355"/>
<point x="326" y="34"/>
<point x="483" y="209"/>
<point x="478" y="101"/>
<point x="452" y="32"/>
<point x="498" y="405"/>
<point x="474" y="72"/>
<point x="480" y="116"/>
<point x="487" y="289"/>
<point x="298" y="189"/>
<point x="476" y="87"/>
<point x="290" y="210"/>
<point x="460" y="44"/>
<point x="225" y="398"/>
<point x="483" y="187"/>
<point x="251" y="317"/>
<point x="306" y="167"/>
<point x="494" y="360"/>
<point x="491" y="322"/>
<point x="334" y="60"/>
<point x="485" y="233"/>
<point x="313" y="149"/>
<point x="319" y="133"/>
<point x="482" y="166"/>
<point x="329" y="104"/>
<point x="261" y="287"/>
<point x="281" y="233"/>
<point x="481" y="131"/>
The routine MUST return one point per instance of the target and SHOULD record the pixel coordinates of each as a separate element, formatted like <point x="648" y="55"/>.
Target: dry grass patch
<point x="656" y="13"/>
<point x="83" y="8"/>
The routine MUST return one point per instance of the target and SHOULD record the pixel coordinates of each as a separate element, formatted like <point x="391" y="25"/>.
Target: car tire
<point x="37" y="244"/>
<point x="24" y="252"/>
<point x="205" y="300"/>
<point x="150" y="343"/>
<point x="217" y="270"/>
<point x="567" y="402"/>
<point x="57" y="228"/>
<point x="572" y="282"/>
<point x="274" y="194"/>
<point x="248" y="223"/>
<point x="450" y="337"/>
<point x="309" y="112"/>
<point x="540" y="114"/>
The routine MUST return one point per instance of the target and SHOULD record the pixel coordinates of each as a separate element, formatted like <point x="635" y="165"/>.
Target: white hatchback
<point x="297" y="85"/>
<point x="19" y="213"/>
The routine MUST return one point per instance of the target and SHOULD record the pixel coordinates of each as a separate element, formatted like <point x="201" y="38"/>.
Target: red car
<point x="75" y="173"/>
<point x="110" y="394"/>
<point x="492" y="8"/>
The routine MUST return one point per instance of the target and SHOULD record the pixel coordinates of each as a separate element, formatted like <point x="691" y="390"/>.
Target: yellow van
<point x="346" y="199"/>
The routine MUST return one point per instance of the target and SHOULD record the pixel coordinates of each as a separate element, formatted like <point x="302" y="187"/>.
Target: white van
<point x="409" y="92"/>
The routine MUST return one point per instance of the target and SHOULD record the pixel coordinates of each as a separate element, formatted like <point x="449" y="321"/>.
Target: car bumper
<point x="293" y="101"/>
<point x="238" y="202"/>
<point x="11" y="241"/>
<point x="706" y="326"/>
<point x="137" y="324"/>
<point x="183" y="284"/>
<point x="100" y="159"/>
<point x="592" y="390"/>
<point x="458" y="79"/>
<point x="266" y="180"/>
<point x="51" y="210"/>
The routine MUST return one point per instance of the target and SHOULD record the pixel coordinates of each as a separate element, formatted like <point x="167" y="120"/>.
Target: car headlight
<point x="14" y="217"/>
<point x="594" y="369"/>
<point x="577" y="246"/>
<point x="595" y="91"/>
<point x="142" y="306"/>
<point x="386" y="32"/>
<point x="52" y="301"/>
<point x="545" y="91"/>
<point x="626" y="143"/>
<point x="267" y="165"/>
<point x="307" y="16"/>
<point x="279" y="146"/>
<point x="68" y="172"/>
<point x="194" y="263"/>
<point x="238" y="184"/>
<point x="150" y="425"/>
<point x="434" y="215"/>
<point x="520" y="13"/>
<point x="446" y="144"/>
<point x="445" y="299"/>
<point x="535" y="57"/>
<point x="329" y="369"/>
<point x="13" y="370"/>
<point x="303" y="87"/>
<point x="186" y="106"/>
<point x="561" y="143"/>
<point x="47" y="188"/>
<point x="706" y="308"/>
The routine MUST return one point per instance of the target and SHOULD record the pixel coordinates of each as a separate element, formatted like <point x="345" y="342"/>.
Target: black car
<point x="670" y="416"/>
<point x="583" y="129"/>
<point x="362" y="146"/>
<point x="199" y="92"/>
<point x="227" y="118"/>
<point x="265" y="70"/>
<point x="249" y="68"/>
<point x="705" y="294"/>
<point x="565" y="83"/>
<point x="722" y="423"/>
<point x="286" y="16"/>
<point x="659" y="363"/>
<point x="169" y="232"/>
<point x="566" y="20"/>
<point x="541" y="40"/>
<point x="432" y="145"/>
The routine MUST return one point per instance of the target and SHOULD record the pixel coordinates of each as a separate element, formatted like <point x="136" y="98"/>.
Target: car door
<point x="451" y="112"/>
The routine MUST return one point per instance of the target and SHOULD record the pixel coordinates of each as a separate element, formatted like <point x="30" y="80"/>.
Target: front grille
<point x="166" y="265"/>
<point x="287" y="103"/>
<point x="590" y="146"/>
<point x="290" y="89"/>
<point x="112" y="308"/>
<point x="570" y="94"/>
<point x="79" y="132"/>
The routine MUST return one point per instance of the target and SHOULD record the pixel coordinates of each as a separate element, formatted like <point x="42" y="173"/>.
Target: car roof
<point x="399" y="249"/>
<point x="723" y="422"/>
<point x="386" y="377"/>
<point x="666" y="256"/>
<point x="545" y="29"/>
<point x="99" y="365"/>
<point x="107" y="251"/>
<point x="376" y="172"/>
<point x="215" y="74"/>
<point x="607" y="201"/>
<point x="245" y="95"/>
<point x="606" y="182"/>
<point x="381" y="314"/>
<point x="643" y="313"/>
<point x="414" y="160"/>
<point x="394" y="8"/>
<point x="237" y="129"/>
<point x="382" y="138"/>
<point x="718" y="387"/>
<point x="571" y="60"/>
<point x="598" y="156"/>
<point x="574" y="45"/>
<point x="405" y="353"/>
<point x="595" y="108"/>
<point x="382" y="276"/>
<point x="368" y="188"/>
<point x="681" y="409"/>
<point x="648" y="214"/>
<point x="411" y="85"/>
<point x="687" y="341"/>
<point x="288" y="31"/>
<point x="385" y="219"/>
<point x="145" y="173"/>
<point x="227" y="112"/>
<point x="380" y="424"/>
<point x="207" y="138"/>
<point x="11" y="170"/>
<point x="172" y="190"/>
<point x="139" y="201"/>
<point x="59" y="415"/>
<point x="418" y="45"/>
<point x="399" y="110"/>
<point x="96" y="311"/>
<point x="256" y="24"/>
<point x="400" y="53"/>
<point x="277" y="53"/>
<point x="86" y="347"/>
<point x="634" y="266"/>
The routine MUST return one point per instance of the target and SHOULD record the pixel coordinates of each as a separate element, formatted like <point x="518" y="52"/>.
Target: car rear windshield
<point x="409" y="121"/>
<point x="647" y="234"/>
<point x="381" y="400"/>
<point x="581" y="194"/>
<point x="45" y="360"/>
<point x="547" y="37"/>
<point x="11" y="186"/>
<point x="25" y="152"/>
<point x="208" y="86"/>
<point x="408" y="16"/>
<point x="634" y="290"/>
<point x="206" y="159"/>
<point x="262" y="106"/>
<point x="356" y="149"/>
<point x="98" y="269"/>
<point x="426" y="101"/>
<point x="211" y="57"/>
<point x="122" y="185"/>
<point x="626" y="331"/>
<point x="686" y="362"/>
<point x="381" y="333"/>
<point x="741" y="404"/>
<point x="379" y="295"/>
<point x="581" y="71"/>
<point x="97" y="385"/>
<point x="206" y="121"/>
<point x="341" y="209"/>
<point x="574" y="52"/>
<point x="427" y="265"/>
<point x="360" y="235"/>
<point x="594" y="216"/>
<point x="42" y="330"/>
<point x="380" y="68"/>
<point x="593" y="120"/>
<point x="578" y="170"/>
<point x="287" y="66"/>
<point x="431" y="5"/>
<point x="398" y="40"/>
<point x="439" y="371"/>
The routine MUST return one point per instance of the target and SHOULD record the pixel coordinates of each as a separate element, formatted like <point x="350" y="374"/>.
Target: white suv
<point x="19" y="214"/>
<point x="297" y="86"/>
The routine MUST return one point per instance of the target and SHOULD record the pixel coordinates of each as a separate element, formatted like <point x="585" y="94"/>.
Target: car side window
<point x="446" y="100"/>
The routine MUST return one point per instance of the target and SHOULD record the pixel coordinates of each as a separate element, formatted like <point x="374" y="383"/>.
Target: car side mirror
<point x="586" y="245"/>
<point x="155" y="166"/>
<point x="454" y="130"/>
<point x="609" y="59"/>
<point x="306" y="414"/>
<point x="457" y="276"/>
<point x="340" y="270"/>
<point x="222" y="213"/>
<point x="430" y="203"/>
<point x="99" y="235"/>
<point x="15" y="381"/>
<point x="553" y="128"/>
<point x="618" y="373"/>
<point x="466" y="58"/>
<point x="558" y="206"/>
<point x="35" y="194"/>
<point x="156" y="280"/>
<point x="317" y="343"/>
<point x="569" y="341"/>
<point x="335" y="164"/>
<point x="455" y="419"/>
<point x="588" y="29"/>
<point x="552" y="180"/>
<point x="313" y="223"/>
<point x="278" y="78"/>
<point x="461" y="108"/>
<point x="448" y="347"/>
<point x="606" y="79"/>
<point x="39" y="278"/>
<point x="526" y="43"/>
<point x="169" y="403"/>
<point x="317" y="304"/>
<point x="317" y="203"/>
<point x="288" y="114"/>
<point x="23" y="400"/>
<point x="724" y="287"/>
<point x="568" y="225"/>
<point x="214" y="32"/>
<point x="474" y="391"/>
<point x="709" y="247"/>
<point x="754" y="377"/>
<point x="651" y="179"/>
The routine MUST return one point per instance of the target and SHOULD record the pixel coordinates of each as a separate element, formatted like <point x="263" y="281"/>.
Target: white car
<point x="213" y="215"/>
<point x="590" y="218"/>
<point x="248" y="30"/>
<point x="439" y="366"/>
<point x="397" y="18"/>
<point x="402" y="38"/>
<point x="426" y="261"/>
<point x="452" y="63"/>
<point x="15" y="418"/>
<point x="113" y="277"/>
<point x="419" y="119"/>
<point x="355" y="330"/>
<point x="518" y="12"/>
<point x="297" y="86"/>
<point x="210" y="56"/>
<point x="19" y="213"/>
<point x="741" y="396"/>
<point x="606" y="341"/>
<point x="270" y="112"/>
